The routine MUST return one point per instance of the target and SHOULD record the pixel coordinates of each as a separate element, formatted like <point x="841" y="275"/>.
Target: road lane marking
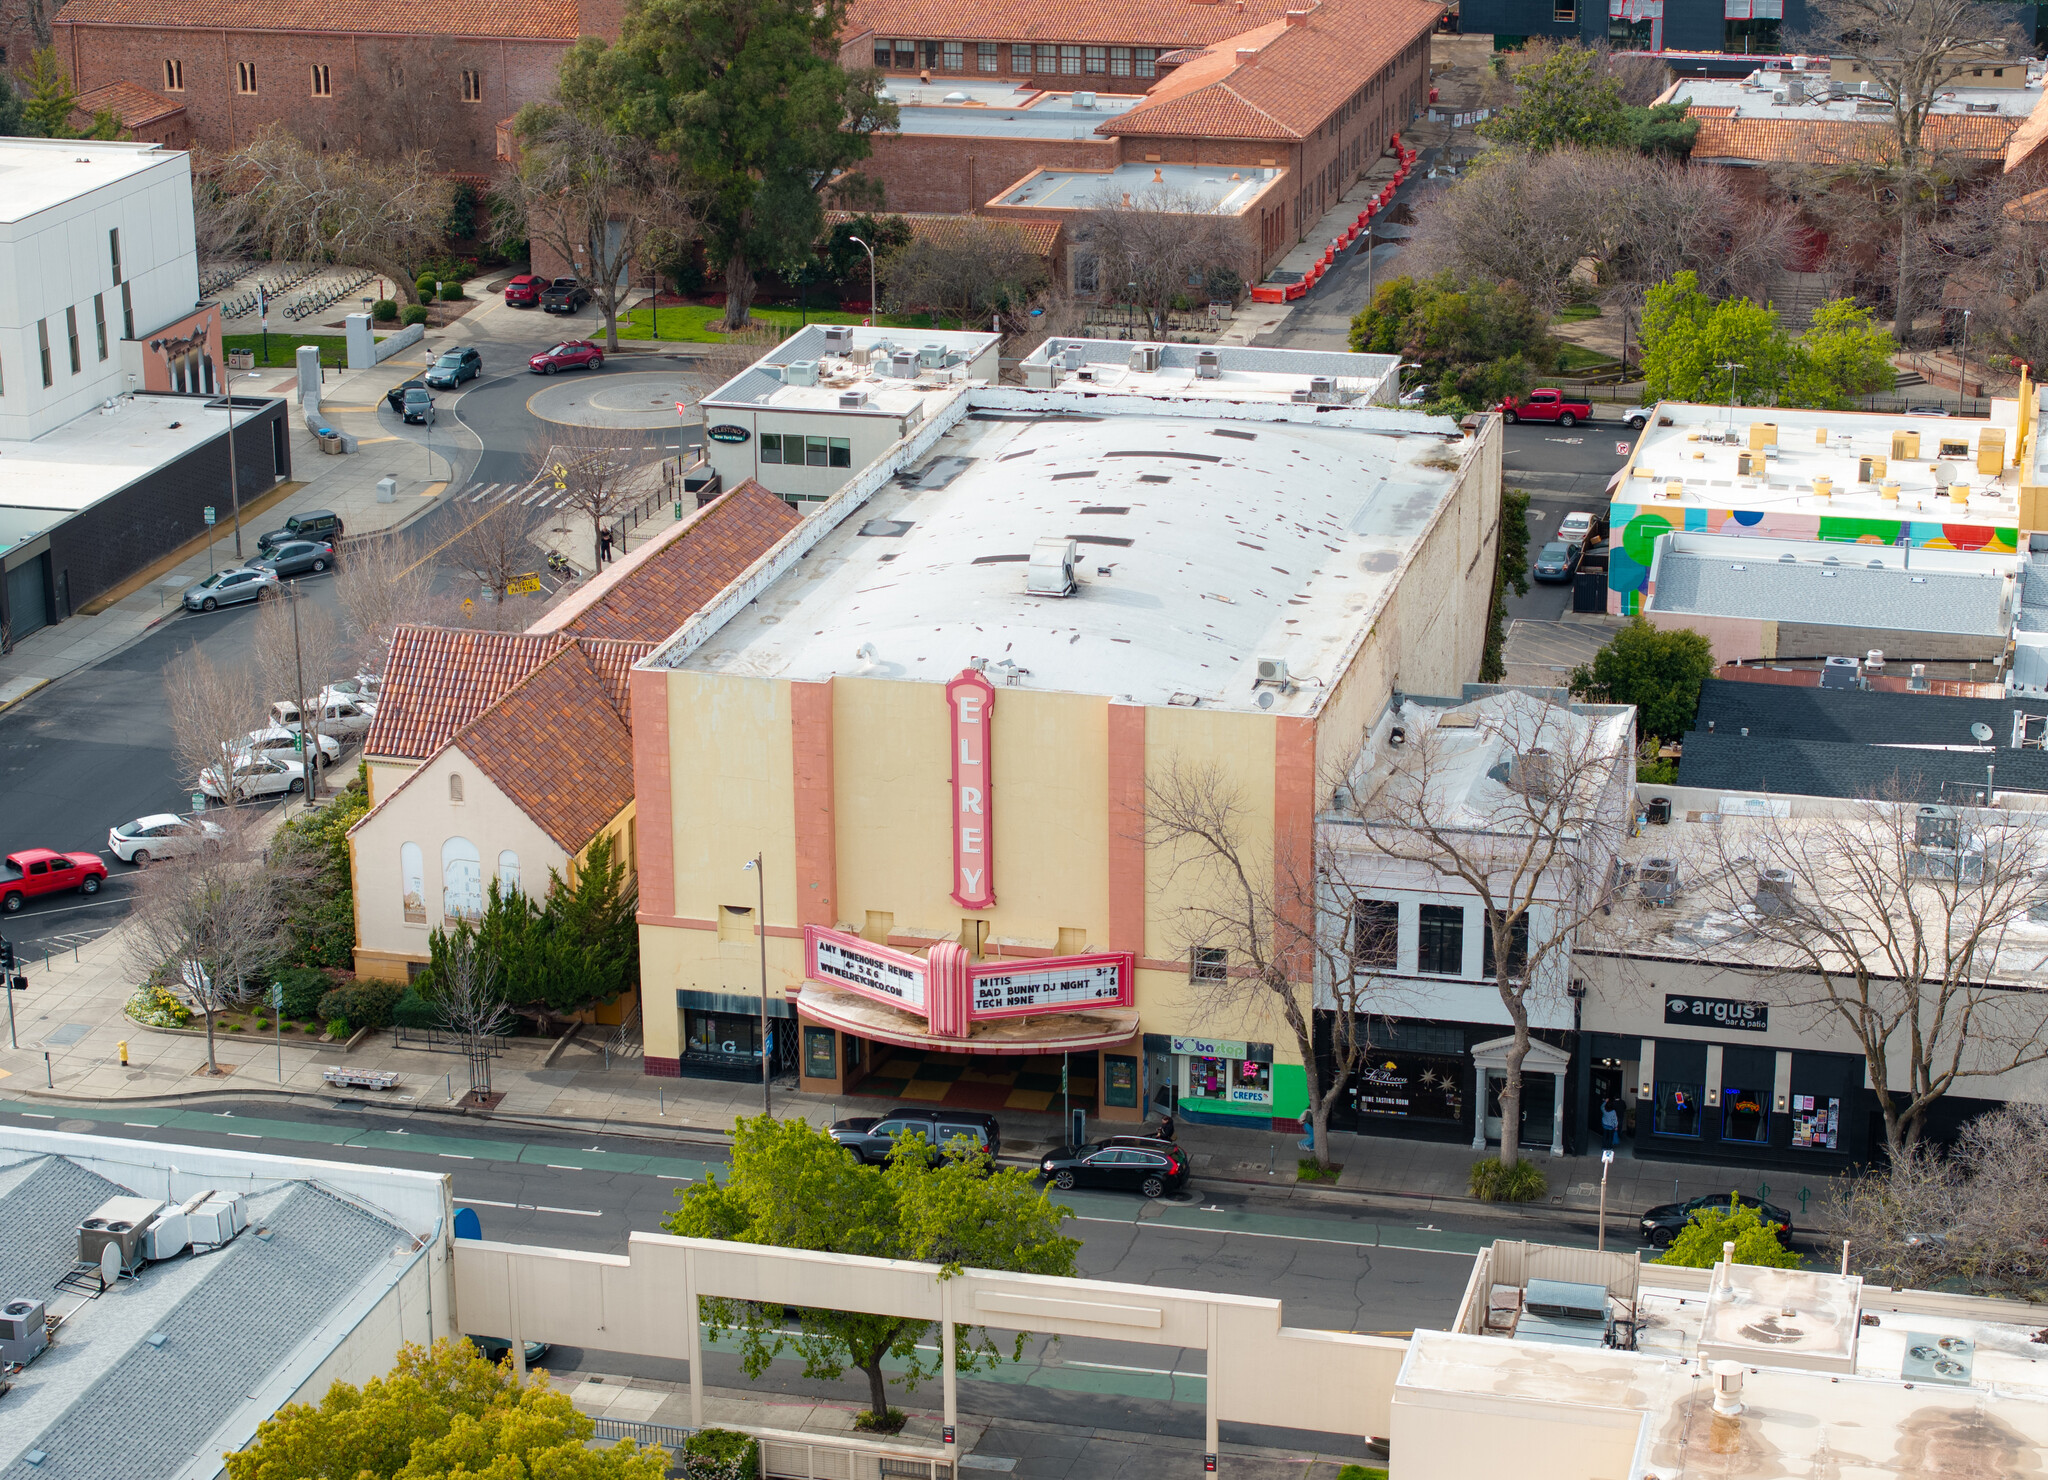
<point x="574" y="1212"/>
<point x="455" y="1156"/>
<point x="484" y="1202"/>
<point x="556" y="1166"/>
<point x="245" y="1136"/>
<point x="1300" y="1238"/>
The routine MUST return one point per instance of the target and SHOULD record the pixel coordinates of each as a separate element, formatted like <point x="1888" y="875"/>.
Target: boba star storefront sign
<point x="949" y="990"/>
<point x="971" y="700"/>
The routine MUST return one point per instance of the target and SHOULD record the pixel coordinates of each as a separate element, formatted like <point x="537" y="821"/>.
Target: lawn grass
<point x="1574" y="313"/>
<point x="284" y="348"/>
<point x="1572" y="358"/>
<point x="692" y="323"/>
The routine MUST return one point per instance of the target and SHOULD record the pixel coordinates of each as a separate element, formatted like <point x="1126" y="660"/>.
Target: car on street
<point x="226" y="587"/>
<point x="37" y="871"/>
<point x="277" y="740"/>
<point x="300" y="557"/>
<point x="315" y="524"/>
<point x="1638" y="417"/>
<point x="1582" y="528"/>
<point x="1124" y="1163"/>
<point x="497" y="1348"/>
<point x="1928" y="411"/>
<point x="563" y="295"/>
<point x="454" y="367"/>
<point x="253" y="776"/>
<point x="524" y="290"/>
<point x="339" y="717"/>
<point x="161" y="835"/>
<point x="419" y="407"/>
<point x="570" y="354"/>
<point x="1557" y="561"/>
<point x="395" y="397"/>
<point x="1545" y="405"/>
<point x="870" y="1138"/>
<point x="363" y="688"/>
<point x="1418" y="395"/>
<point x="1662" y="1223"/>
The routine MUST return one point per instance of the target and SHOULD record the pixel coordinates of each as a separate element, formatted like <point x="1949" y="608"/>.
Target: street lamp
<point x="1131" y="312"/>
<point x="234" y="479"/>
<point x="761" y="928"/>
<point x="1963" y="380"/>
<point x="1731" y="366"/>
<point x="873" y="307"/>
<point x="1404" y="365"/>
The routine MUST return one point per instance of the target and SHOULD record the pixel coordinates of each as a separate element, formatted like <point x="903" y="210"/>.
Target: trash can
<point x="1660" y="810"/>
<point x="387" y="489"/>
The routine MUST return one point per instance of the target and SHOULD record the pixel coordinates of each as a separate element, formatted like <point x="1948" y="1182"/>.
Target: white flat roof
<point x="1751" y="96"/>
<point x="1240" y="373"/>
<point x="990" y="109"/>
<point x="36" y="174"/>
<point x="762" y="385"/>
<point x="1205" y="545"/>
<point x="1220" y="189"/>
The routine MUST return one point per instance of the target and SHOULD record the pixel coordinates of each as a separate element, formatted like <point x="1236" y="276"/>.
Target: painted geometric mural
<point x="1628" y="570"/>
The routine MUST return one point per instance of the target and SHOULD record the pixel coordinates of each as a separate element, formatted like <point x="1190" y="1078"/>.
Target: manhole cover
<point x="77" y="1125"/>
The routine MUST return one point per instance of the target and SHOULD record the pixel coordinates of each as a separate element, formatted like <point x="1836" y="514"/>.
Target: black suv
<point x="321" y="525"/>
<point x="564" y="295"/>
<point x="871" y="1137"/>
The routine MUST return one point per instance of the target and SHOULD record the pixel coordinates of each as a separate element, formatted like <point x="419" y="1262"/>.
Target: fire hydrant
<point x="124" y="1053"/>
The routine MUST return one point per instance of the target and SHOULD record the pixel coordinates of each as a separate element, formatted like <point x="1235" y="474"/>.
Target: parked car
<point x="497" y="1348"/>
<point x="363" y="688"/>
<point x="1557" y="561"/>
<point x="1126" y="1163"/>
<point x="1662" y="1223"/>
<point x="563" y="295"/>
<point x="395" y="397"/>
<point x="1638" y="417"/>
<point x="338" y="717"/>
<point x="161" y="835"/>
<point x="300" y="557"/>
<point x="1546" y="405"/>
<point x="1583" y="528"/>
<point x="277" y="740"/>
<point x="570" y="354"/>
<point x="1418" y="395"/>
<point x="1928" y="411"/>
<point x="226" y="587"/>
<point x="254" y="776"/>
<point x="419" y="407"/>
<point x="315" y="524"/>
<point x="871" y="1137"/>
<point x="454" y="367"/>
<point x="524" y="290"/>
<point x="38" y="871"/>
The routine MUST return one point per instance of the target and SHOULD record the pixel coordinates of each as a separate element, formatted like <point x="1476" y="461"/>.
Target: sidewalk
<point x="73" y="1011"/>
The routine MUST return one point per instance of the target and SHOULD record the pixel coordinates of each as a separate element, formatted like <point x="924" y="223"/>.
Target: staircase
<point x="1795" y="295"/>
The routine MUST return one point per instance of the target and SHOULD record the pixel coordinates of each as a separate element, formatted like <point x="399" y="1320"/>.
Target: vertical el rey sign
<point x="972" y="700"/>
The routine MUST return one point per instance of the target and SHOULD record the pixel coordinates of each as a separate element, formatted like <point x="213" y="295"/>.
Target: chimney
<point x="1297" y="17"/>
<point x="1246" y="55"/>
<point x="1158" y="176"/>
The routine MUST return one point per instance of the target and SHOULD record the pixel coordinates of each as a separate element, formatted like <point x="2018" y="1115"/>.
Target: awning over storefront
<point x="1051" y="1032"/>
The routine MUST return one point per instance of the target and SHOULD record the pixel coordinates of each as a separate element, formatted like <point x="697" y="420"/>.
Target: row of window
<point x="1439" y="939"/>
<point x="322" y="80"/>
<point x="804" y="451"/>
<point x="462" y="879"/>
<point x="1025" y="57"/>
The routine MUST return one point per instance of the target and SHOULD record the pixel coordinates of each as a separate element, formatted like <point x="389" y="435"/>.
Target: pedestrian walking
<point x="1610" y="1120"/>
<point x="1308" y="1126"/>
<point x="604" y="546"/>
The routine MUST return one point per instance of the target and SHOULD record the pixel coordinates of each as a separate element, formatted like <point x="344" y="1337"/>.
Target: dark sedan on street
<point x="1662" y="1223"/>
<point x="298" y="558"/>
<point x="1557" y="561"/>
<point x="570" y="354"/>
<point x="1122" y="1163"/>
<point x="395" y="397"/>
<point x="419" y="406"/>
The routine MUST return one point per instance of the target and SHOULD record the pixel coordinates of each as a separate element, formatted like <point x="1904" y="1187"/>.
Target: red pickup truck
<point x="38" y="871"/>
<point x="1546" y="405"/>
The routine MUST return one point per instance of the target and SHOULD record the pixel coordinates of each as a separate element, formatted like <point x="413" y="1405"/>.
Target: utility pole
<point x="234" y="479"/>
<point x="874" y="306"/>
<point x="1963" y="380"/>
<point x="761" y="929"/>
<point x="1606" y="1161"/>
<point x="1731" y="366"/>
<point x="309" y="714"/>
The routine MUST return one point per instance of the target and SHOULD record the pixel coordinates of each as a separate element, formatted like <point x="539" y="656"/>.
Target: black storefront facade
<point x="1421" y="1080"/>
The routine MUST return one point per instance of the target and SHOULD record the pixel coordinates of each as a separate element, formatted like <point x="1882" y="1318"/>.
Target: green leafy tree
<point x="13" y="118"/>
<point x="844" y="261"/>
<point x="1476" y="341"/>
<point x="1663" y="128"/>
<point x="1658" y="671"/>
<point x="1698" y="1244"/>
<point x="1842" y="355"/>
<point x="444" y="1414"/>
<point x="748" y="97"/>
<point x="51" y="97"/>
<point x="1695" y="349"/>
<point x="792" y="1186"/>
<point x="1513" y="575"/>
<point x="1566" y="97"/>
<point x="310" y="863"/>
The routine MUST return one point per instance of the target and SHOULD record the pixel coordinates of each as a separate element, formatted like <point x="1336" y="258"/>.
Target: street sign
<point x="209" y="516"/>
<point x="199" y="801"/>
<point x="1607" y="1158"/>
<point x="17" y="983"/>
<point x="1622" y="449"/>
<point x="277" y="994"/>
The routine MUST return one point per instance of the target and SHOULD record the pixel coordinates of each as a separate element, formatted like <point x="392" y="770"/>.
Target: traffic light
<point x="6" y="955"/>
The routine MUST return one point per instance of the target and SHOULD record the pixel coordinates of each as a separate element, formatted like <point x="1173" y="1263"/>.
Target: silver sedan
<point x="162" y="835"/>
<point x="254" y="776"/>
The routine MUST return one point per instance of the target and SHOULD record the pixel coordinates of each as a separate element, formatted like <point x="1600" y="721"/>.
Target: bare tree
<point x="1156" y="245"/>
<point x="469" y="1001"/>
<point x="385" y="583"/>
<point x="968" y="268"/>
<point x="209" y="921"/>
<point x="340" y="207"/>
<point x="220" y="218"/>
<point x="212" y="710"/>
<point x="1265" y="937"/>
<point x="595" y="196"/>
<point x="496" y="549"/>
<point x="295" y="641"/>
<point x="34" y="14"/>
<point x="594" y="472"/>
<point x="1886" y="922"/>
<point x="397" y="114"/>
<point x="1534" y="851"/>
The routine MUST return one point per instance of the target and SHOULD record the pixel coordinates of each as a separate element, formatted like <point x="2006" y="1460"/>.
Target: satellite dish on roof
<point x="1982" y="731"/>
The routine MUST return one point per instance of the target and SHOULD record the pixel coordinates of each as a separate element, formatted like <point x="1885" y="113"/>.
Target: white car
<point x="279" y="741"/>
<point x="362" y="689"/>
<point x="255" y="776"/>
<point x="163" y="835"/>
<point x="1575" y="527"/>
<point x="1418" y="395"/>
<point x="339" y="717"/>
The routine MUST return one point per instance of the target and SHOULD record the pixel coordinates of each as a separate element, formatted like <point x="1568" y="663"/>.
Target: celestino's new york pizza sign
<point x="948" y="989"/>
<point x="972" y="701"/>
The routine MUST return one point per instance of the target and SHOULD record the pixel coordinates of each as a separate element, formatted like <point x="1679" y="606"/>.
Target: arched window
<point x="462" y="880"/>
<point x="412" y="873"/>
<point x="508" y="872"/>
<point x="455" y="786"/>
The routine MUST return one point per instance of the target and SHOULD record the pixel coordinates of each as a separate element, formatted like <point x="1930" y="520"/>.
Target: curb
<point x="35" y="688"/>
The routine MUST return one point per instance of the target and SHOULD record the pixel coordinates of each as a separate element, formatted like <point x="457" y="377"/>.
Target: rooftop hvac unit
<point x="839" y="337"/>
<point x="1935" y="827"/>
<point x="1565" y="1300"/>
<point x="216" y="1220"/>
<point x="1839" y="673"/>
<point x="1322" y="388"/>
<point x="1208" y="365"/>
<point x="1051" y="569"/>
<point x="1073" y="355"/>
<point x="1084" y="100"/>
<point x="1145" y="357"/>
<point x="1775" y="891"/>
<point x="859" y="356"/>
<point x="800" y="372"/>
<point x="121" y="1221"/>
<point x="1301" y="397"/>
<point x="852" y="400"/>
<point x="1780" y="96"/>
<point x="1038" y="374"/>
<point x="932" y="356"/>
<point x="1657" y="880"/>
<point x="1530" y="773"/>
<point x="903" y="364"/>
<point x="1795" y="90"/>
<point x="1946" y="1359"/>
<point x="24" y="1331"/>
<point x="1272" y="673"/>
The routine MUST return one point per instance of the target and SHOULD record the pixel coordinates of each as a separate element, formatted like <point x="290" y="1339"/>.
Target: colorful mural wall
<point x="1640" y="526"/>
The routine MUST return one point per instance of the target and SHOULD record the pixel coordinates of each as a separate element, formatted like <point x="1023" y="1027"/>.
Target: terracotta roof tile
<point x="613" y="662"/>
<point x="1842" y="141"/>
<point x="657" y="588"/>
<point x="1301" y="75"/>
<point x="438" y="679"/>
<point x="515" y="20"/>
<point x="554" y="746"/>
<point x="1165" y="23"/>
<point x="1041" y="236"/>
<point x="135" y="105"/>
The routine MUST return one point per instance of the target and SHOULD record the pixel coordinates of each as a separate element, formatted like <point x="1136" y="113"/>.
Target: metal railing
<point x="641" y="512"/>
<point x="668" y="1436"/>
<point x="437" y="1040"/>
<point x="788" y="1456"/>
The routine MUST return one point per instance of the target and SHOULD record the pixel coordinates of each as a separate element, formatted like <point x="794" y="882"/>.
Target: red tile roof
<point x="135" y="105"/>
<point x="1166" y="23"/>
<point x="438" y="679"/>
<point x="1300" y="76"/>
<point x="1844" y="141"/>
<point x="515" y="20"/>
<point x="554" y="746"/>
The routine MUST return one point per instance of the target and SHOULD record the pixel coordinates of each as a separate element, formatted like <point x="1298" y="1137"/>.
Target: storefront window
<point x="1413" y="1086"/>
<point x="1678" y="1108"/>
<point x="1743" y="1116"/>
<point x="1209" y="1079"/>
<point x="1230" y="1081"/>
<point x="722" y="1035"/>
<point x="1816" y="1122"/>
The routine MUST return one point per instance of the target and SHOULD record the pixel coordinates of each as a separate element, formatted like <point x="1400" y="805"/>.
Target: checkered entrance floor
<point x="973" y="1082"/>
